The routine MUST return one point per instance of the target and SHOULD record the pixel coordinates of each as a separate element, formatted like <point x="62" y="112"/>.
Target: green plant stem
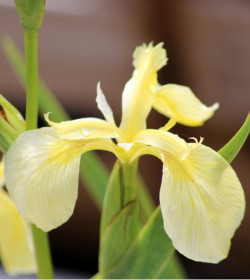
<point x="31" y="62"/>
<point x="129" y="175"/>
<point x="40" y="238"/>
<point x="43" y="256"/>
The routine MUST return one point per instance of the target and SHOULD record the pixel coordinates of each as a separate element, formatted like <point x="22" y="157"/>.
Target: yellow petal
<point x="202" y="204"/>
<point x="42" y="177"/>
<point x="17" y="255"/>
<point x="103" y="105"/>
<point x="42" y="171"/>
<point x="139" y="92"/>
<point x="168" y="142"/>
<point x="2" y="178"/>
<point x="84" y="128"/>
<point x="179" y="102"/>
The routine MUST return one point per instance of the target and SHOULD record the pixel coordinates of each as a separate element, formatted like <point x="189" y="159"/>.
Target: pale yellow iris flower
<point x="201" y="198"/>
<point x="16" y="250"/>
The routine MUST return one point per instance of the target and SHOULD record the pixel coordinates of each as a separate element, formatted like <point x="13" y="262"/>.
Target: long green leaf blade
<point x="232" y="148"/>
<point x="119" y="222"/>
<point x="149" y="255"/>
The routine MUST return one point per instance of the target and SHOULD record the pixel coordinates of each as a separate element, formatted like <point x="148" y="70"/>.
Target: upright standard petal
<point x="139" y="92"/>
<point x="16" y="252"/>
<point x="42" y="177"/>
<point x="179" y="102"/>
<point x="202" y="203"/>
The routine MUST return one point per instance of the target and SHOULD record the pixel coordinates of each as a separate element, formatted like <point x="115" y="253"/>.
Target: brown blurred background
<point x="85" y="41"/>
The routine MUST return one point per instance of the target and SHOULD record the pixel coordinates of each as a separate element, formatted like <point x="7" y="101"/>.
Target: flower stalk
<point x="31" y="58"/>
<point x="128" y="182"/>
<point x="31" y="15"/>
<point x="40" y="237"/>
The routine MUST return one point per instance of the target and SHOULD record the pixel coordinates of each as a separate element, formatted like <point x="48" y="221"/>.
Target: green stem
<point x="40" y="238"/>
<point x="43" y="256"/>
<point x="31" y="62"/>
<point x="129" y="175"/>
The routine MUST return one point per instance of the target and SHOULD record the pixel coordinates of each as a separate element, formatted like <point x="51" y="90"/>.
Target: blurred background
<point x="82" y="42"/>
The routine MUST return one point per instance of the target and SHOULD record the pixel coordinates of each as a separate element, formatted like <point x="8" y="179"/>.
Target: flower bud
<point x="30" y="14"/>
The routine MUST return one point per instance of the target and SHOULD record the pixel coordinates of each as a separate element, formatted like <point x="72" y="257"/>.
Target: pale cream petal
<point x="42" y="177"/>
<point x="42" y="173"/>
<point x="202" y="204"/>
<point x="85" y="128"/>
<point x="17" y="254"/>
<point x="103" y="105"/>
<point x="180" y="103"/>
<point x="169" y="142"/>
<point x="140" y="91"/>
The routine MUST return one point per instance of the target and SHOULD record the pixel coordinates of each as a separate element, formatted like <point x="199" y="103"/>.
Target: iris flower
<point x="16" y="250"/>
<point x="201" y="198"/>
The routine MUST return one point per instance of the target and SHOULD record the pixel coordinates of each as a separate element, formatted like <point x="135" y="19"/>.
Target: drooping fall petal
<point x="42" y="173"/>
<point x="42" y="177"/>
<point x="180" y="103"/>
<point x="201" y="198"/>
<point x="202" y="204"/>
<point x="16" y="250"/>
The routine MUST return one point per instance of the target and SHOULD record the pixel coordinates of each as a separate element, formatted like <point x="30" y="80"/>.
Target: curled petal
<point x="85" y="128"/>
<point x="179" y="103"/>
<point x="17" y="254"/>
<point x="103" y="105"/>
<point x="139" y="92"/>
<point x="168" y="142"/>
<point x="202" y="204"/>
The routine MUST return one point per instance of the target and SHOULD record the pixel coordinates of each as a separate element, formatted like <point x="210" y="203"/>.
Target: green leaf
<point x="173" y="269"/>
<point x="112" y="200"/>
<point x="118" y="236"/>
<point x="232" y="148"/>
<point x="119" y="223"/>
<point x="149" y="256"/>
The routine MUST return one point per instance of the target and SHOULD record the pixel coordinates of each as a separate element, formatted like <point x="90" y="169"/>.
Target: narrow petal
<point x="16" y="252"/>
<point x="42" y="173"/>
<point x="84" y="128"/>
<point x="180" y="103"/>
<point x="202" y="204"/>
<point x="103" y="105"/>
<point x="139" y="92"/>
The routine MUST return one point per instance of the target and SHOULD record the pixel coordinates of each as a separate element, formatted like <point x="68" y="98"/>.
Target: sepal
<point x="11" y="124"/>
